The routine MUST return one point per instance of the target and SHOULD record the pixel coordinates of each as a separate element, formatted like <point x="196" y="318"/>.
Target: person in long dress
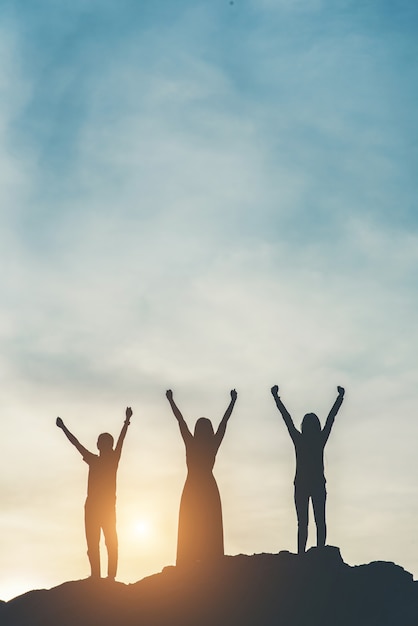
<point x="200" y="529"/>
<point x="309" y="479"/>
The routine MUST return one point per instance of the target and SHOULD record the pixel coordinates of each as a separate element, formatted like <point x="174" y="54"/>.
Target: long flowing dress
<point x="200" y="530"/>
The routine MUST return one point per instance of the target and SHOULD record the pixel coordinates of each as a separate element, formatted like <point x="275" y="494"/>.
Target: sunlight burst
<point x="143" y="529"/>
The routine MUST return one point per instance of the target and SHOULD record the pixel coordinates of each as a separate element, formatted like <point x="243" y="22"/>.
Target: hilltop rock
<point x="317" y="589"/>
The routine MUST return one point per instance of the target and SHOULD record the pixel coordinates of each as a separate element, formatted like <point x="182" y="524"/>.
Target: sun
<point x="142" y="528"/>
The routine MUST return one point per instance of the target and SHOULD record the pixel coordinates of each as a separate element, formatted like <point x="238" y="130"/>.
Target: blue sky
<point x="202" y="196"/>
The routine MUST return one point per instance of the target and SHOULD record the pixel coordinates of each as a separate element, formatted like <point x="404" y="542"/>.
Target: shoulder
<point x="89" y="457"/>
<point x="296" y="435"/>
<point x="190" y="443"/>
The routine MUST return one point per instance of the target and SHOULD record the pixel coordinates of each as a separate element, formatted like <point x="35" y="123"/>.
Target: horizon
<point x="205" y="196"/>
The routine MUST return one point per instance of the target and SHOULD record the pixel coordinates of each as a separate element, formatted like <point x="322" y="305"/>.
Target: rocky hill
<point x="317" y="589"/>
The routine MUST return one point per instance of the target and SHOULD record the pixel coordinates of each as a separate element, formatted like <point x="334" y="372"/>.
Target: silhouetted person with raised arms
<point x="100" y="506"/>
<point x="309" y="479"/>
<point x="200" y="531"/>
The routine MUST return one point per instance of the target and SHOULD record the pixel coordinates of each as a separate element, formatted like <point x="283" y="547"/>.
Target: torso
<point x="102" y="477"/>
<point x="309" y="461"/>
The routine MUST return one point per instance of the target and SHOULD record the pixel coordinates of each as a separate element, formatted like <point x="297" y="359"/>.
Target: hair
<point x="311" y="426"/>
<point x="105" y="442"/>
<point x="203" y="428"/>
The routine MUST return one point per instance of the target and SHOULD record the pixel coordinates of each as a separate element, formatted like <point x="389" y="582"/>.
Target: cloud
<point x="206" y="204"/>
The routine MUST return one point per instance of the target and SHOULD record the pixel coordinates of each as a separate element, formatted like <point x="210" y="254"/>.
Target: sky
<point x="206" y="195"/>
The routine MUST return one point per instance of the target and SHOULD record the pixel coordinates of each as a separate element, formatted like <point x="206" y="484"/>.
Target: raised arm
<point x="219" y="435"/>
<point x="128" y="415"/>
<point x="331" y="416"/>
<point x="184" y="430"/>
<point x="82" y="450"/>
<point x="293" y="431"/>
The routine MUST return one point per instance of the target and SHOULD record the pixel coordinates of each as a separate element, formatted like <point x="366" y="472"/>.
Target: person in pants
<point x="100" y="506"/>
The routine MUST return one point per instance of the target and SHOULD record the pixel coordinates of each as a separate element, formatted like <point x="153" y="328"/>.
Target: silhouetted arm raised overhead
<point x="219" y="435"/>
<point x="82" y="450"/>
<point x="331" y="416"/>
<point x="293" y="431"/>
<point x="128" y="415"/>
<point x="184" y="430"/>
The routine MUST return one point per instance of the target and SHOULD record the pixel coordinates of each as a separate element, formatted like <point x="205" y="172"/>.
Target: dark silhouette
<point x="258" y="590"/>
<point x="200" y="531"/>
<point x="309" y="479"/>
<point x="100" y="506"/>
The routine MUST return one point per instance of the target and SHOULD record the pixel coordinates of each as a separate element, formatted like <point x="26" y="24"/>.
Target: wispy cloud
<point x="203" y="197"/>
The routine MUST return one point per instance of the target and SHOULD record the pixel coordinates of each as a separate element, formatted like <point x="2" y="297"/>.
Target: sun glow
<point x="143" y="529"/>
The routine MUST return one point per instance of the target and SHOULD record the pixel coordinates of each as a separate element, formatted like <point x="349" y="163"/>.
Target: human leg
<point x="92" y="528"/>
<point x="111" y="540"/>
<point x="318" y="503"/>
<point x="301" y="503"/>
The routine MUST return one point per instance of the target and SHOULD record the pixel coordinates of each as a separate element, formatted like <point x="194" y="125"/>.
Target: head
<point x="105" y="442"/>
<point x="203" y="429"/>
<point x="311" y="426"/>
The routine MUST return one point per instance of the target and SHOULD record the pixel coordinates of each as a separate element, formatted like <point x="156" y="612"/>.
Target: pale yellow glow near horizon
<point x="254" y="470"/>
<point x="143" y="529"/>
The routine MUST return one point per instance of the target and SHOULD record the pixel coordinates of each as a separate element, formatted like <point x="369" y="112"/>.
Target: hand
<point x="128" y="413"/>
<point x="275" y="390"/>
<point x="169" y="394"/>
<point x="59" y="422"/>
<point x="341" y="391"/>
<point x="233" y="395"/>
